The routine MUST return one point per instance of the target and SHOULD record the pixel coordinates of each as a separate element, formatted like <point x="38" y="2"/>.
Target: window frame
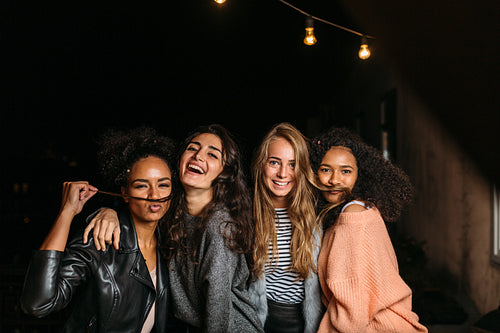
<point x="495" y="226"/>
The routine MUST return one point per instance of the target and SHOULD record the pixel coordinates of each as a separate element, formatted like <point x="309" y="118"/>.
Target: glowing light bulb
<point x="309" y="39"/>
<point x="364" y="52"/>
<point x="220" y="1"/>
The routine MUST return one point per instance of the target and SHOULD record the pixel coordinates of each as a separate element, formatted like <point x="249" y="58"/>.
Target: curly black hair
<point x="119" y="150"/>
<point x="379" y="182"/>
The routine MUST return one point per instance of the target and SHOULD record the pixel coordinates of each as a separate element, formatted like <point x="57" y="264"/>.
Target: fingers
<point x="99" y="243"/>
<point x="75" y="195"/>
<point x="87" y="230"/>
<point x="116" y="238"/>
<point x="106" y="229"/>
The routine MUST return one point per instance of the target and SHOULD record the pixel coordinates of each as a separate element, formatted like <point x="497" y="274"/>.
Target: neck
<point x="197" y="199"/>
<point x="146" y="236"/>
<point x="280" y="202"/>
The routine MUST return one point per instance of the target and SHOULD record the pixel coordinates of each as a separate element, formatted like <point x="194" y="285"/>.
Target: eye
<point x="214" y="155"/>
<point x="292" y="165"/>
<point x="165" y="185"/>
<point x="273" y="163"/>
<point x="324" y="170"/>
<point x="191" y="148"/>
<point x="346" y="171"/>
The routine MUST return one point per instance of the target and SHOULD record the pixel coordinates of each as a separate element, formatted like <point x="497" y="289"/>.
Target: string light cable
<point x="364" y="51"/>
<point x="310" y="39"/>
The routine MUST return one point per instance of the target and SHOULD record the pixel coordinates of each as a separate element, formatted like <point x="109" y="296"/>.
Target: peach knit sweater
<point x="359" y="277"/>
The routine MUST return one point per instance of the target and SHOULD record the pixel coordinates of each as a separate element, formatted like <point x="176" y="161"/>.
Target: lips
<point x="195" y="168"/>
<point x="155" y="208"/>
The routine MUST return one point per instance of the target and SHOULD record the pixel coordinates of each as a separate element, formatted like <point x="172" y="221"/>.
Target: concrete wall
<point x="452" y="210"/>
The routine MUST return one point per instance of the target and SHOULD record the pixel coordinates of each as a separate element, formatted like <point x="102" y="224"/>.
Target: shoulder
<point x="219" y="221"/>
<point x="359" y="213"/>
<point x="355" y="208"/>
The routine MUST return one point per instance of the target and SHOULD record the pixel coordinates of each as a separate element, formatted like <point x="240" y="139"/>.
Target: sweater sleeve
<point x="217" y="270"/>
<point x="363" y="278"/>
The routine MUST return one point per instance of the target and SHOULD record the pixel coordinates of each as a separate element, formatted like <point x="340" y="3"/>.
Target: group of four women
<point x="286" y="260"/>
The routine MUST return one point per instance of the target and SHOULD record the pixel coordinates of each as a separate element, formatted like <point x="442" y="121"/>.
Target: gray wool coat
<point x="212" y="295"/>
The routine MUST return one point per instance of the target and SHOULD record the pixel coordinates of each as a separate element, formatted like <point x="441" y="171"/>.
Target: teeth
<point x="280" y="183"/>
<point x="195" y="167"/>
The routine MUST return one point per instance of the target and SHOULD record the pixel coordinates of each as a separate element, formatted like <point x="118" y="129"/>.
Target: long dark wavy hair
<point x="230" y="192"/>
<point x="379" y="183"/>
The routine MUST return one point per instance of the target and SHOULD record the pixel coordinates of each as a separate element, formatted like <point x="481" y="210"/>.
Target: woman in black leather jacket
<point x="124" y="290"/>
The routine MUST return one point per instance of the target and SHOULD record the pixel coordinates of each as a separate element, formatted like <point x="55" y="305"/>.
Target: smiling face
<point x="279" y="171"/>
<point x="149" y="178"/>
<point x="338" y="168"/>
<point x="202" y="162"/>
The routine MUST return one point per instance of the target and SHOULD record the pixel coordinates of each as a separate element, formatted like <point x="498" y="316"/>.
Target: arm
<point x="106" y="228"/>
<point x="223" y="274"/>
<point x="347" y="309"/>
<point x="53" y="274"/>
<point x="216" y="271"/>
<point x="74" y="197"/>
<point x="361" y="273"/>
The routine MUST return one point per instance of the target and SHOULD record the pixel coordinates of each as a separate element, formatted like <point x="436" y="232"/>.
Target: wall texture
<point x="452" y="210"/>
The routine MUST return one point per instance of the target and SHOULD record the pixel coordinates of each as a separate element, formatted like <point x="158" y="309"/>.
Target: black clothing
<point x="115" y="290"/>
<point x="284" y="318"/>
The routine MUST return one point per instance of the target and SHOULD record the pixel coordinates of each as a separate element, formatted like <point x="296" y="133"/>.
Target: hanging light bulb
<point x="220" y="1"/>
<point x="310" y="39"/>
<point x="364" y="52"/>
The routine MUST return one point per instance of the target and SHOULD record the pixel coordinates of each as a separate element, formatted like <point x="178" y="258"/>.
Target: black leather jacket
<point x="110" y="291"/>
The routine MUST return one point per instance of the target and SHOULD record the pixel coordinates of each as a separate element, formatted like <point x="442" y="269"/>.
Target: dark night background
<point x="73" y="69"/>
<point x="70" y="69"/>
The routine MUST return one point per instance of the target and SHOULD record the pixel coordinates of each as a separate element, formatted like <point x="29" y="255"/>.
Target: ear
<point x="124" y="192"/>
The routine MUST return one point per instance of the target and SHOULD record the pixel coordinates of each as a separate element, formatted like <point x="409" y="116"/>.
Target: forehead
<point x="339" y="155"/>
<point x="151" y="164"/>
<point x="282" y="149"/>
<point x="208" y="139"/>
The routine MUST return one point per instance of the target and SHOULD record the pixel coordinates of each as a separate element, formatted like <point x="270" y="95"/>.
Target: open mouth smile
<point x="195" y="169"/>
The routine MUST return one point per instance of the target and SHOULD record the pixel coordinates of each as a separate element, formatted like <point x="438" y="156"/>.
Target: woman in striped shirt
<point x="286" y="291"/>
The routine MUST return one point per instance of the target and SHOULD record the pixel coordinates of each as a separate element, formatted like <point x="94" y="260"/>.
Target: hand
<point x="75" y="195"/>
<point x="106" y="229"/>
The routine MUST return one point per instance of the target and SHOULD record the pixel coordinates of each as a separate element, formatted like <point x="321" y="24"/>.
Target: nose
<point x="282" y="172"/>
<point x="199" y="156"/>
<point x="154" y="193"/>
<point x="335" y="179"/>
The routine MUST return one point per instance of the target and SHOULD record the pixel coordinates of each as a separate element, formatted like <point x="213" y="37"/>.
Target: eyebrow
<point x="342" y="166"/>
<point x="278" y="158"/>
<point x="211" y="147"/>
<point x="140" y="180"/>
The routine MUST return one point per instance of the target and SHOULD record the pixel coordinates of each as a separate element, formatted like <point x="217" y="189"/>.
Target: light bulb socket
<point x="309" y="22"/>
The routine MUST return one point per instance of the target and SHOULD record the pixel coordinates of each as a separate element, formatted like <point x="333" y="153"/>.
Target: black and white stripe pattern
<point x="281" y="284"/>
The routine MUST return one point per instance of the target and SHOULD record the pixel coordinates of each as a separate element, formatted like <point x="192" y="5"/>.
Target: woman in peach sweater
<point x="357" y="266"/>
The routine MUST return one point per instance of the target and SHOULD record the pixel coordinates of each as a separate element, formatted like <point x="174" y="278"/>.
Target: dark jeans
<point x="284" y="318"/>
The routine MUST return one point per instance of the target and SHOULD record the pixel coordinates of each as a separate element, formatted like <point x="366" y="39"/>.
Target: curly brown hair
<point x="380" y="182"/>
<point x="230" y="192"/>
<point x="120" y="150"/>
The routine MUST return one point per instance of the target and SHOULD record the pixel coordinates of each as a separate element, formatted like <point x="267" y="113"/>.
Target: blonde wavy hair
<point x="301" y="208"/>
